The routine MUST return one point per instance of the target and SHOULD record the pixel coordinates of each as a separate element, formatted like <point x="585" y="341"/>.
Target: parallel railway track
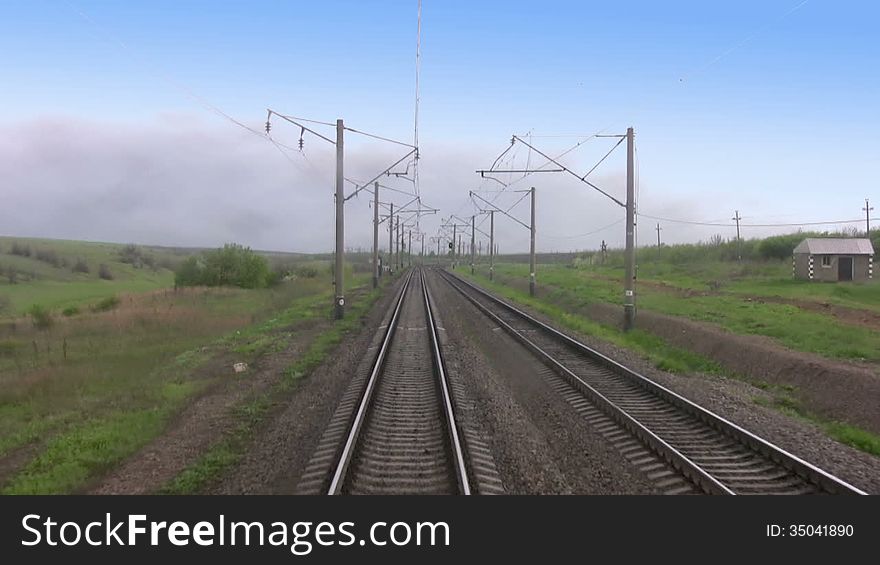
<point x="712" y="453"/>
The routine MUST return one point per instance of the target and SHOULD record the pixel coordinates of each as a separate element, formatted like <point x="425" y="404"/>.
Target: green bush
<point x="106" y="304"/>
<point x="80" y="266"/>
<point x="70" y="311"/>
<point x="104" y="272"/>
<point x="231" y="265"/>
<point x="41" y="317"/>
<point x="780" y="246"/>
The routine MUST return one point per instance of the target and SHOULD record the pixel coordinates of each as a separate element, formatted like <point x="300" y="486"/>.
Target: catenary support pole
<point x="491" y="244"/>
<point x="390" y="258"/>
<point x="376" y="272"/>
<point x="629" y="291"/>
<point x="340" y="224"/>
<point x="532" y="249"/>
<point x="473" y="245"/>
<point x="454" y="228"/>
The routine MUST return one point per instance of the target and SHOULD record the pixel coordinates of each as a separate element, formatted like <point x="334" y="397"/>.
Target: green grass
<point x="783" y="399"/>
<point x="858" y="438"/>
<point x="655" y="349"/>
<point x="71" y="458"/>
<point x="126" y="372"/>
<point x="58" y="295"/>
<point x="227" y="452"/>
<point x="789" y="325"/>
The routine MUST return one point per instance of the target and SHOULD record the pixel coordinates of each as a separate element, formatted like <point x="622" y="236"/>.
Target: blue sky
<point x="736" y="105"/>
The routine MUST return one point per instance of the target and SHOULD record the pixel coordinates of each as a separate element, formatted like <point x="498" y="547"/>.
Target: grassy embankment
<point x="91" y="388"/>
<point x="729" y="295"/>
<point x="250" y="416"/>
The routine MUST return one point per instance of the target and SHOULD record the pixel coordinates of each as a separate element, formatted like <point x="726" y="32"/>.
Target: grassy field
<point x="663" y="355"/>
<point x="727" y="294"/>
<point x="56" y="280"/>
<point x="88" y="388"/>
<point x="229" y="450"/>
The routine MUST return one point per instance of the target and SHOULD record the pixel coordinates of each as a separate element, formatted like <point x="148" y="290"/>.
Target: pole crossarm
<point x="502" y="171"/>
<point x="299" y="125"/>
<point x="356" y="183"/>
<point x="572" y="173"/>
<point x="468" y="224"/>
<point x="366" y="186"/>
<point x="495" y="208"/>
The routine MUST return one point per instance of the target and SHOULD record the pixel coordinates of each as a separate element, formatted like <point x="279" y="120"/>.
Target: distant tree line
<point x="719" y="248"/>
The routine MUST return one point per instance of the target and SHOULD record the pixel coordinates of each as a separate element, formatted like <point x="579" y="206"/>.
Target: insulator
<point x="268" y="126"/>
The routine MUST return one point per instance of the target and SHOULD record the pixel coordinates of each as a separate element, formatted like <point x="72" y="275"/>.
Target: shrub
<point x="135" y="256"/>
<point x="20" y="249"/>
<point x="780" y="246"/>
<point x="8" y="349"/>
<point x="11" y="275"/>
<point x="80" y="266"/>
<point x="106" y="304"/>
<point x="41" y="317"/>
<point x="5" y="305"/>
<point x="48" y="256"/>
<point x="306" y="272"/>
<point x="70" y="311"/>
<point x="232" y="265"/>
<point x="104" y="272"/>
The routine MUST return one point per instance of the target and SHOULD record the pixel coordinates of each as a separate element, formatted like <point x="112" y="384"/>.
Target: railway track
<point x="712" y="453"/>
<point x="403" y="438"/>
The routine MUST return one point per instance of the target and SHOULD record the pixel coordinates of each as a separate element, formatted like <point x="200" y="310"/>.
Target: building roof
<point x="835" y="246"/>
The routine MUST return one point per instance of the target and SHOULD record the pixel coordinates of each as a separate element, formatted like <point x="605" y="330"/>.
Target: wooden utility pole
<point x="532" y="249"/>
<point x="409" y="248"/>
<point x="340" y="224"/>
<point x="658" y="240"/>
<point x="376" y="272"/>
<point x="867" y="210"/>
<point x="629" y="291"/>
<point x="739" y="255"/>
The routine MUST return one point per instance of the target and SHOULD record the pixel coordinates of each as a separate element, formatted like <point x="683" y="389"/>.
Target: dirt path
<point x="205" y="419"/>
<point x="280" y="451"/>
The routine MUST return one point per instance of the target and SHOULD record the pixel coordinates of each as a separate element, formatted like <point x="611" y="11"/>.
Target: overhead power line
<point x="733" y="225"/>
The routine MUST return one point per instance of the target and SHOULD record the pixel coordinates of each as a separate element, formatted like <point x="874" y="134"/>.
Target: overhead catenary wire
<point x="589" y="233"/>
